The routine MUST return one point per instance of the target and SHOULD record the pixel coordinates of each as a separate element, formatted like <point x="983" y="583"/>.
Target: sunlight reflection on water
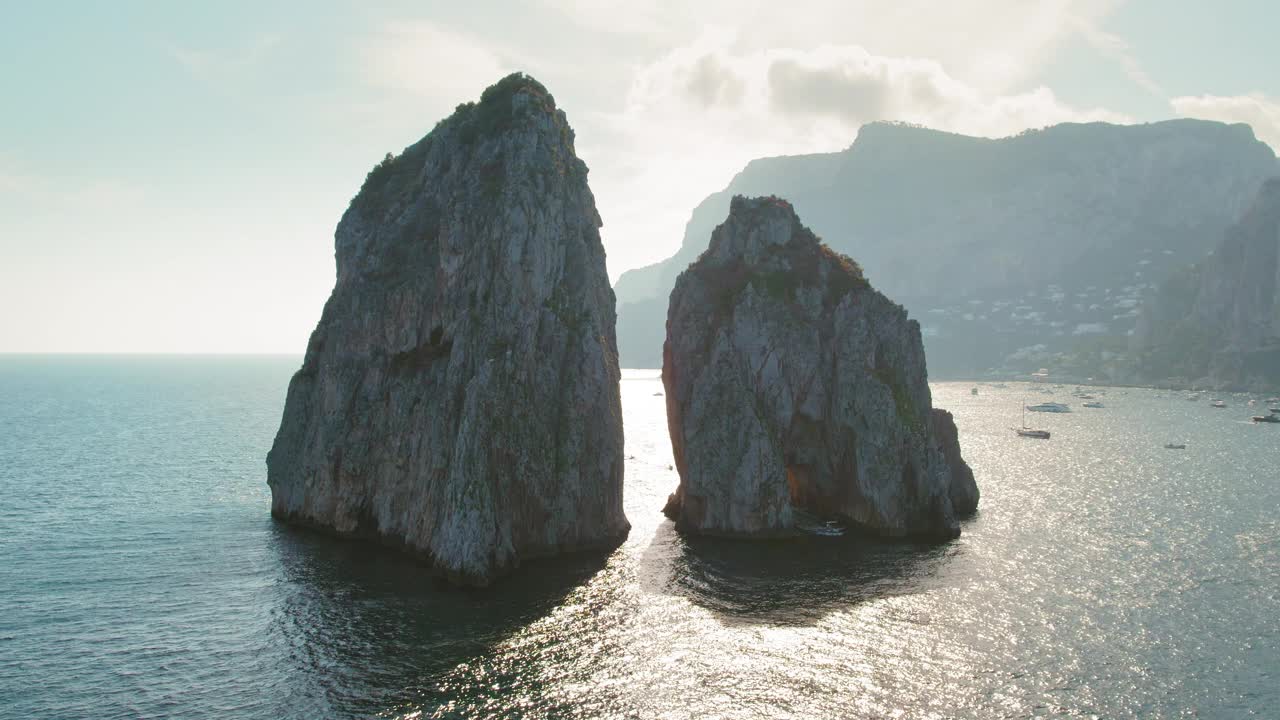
<point x="1103" y="575"/>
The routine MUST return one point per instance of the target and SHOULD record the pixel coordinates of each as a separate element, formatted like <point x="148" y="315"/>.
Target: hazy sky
<point x="170" y="177"/>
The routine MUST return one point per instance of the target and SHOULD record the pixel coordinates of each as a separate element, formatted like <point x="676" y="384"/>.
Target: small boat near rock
<point x="812" y="524"/>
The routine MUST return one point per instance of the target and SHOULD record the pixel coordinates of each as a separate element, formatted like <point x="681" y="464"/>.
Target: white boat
<point x="808" y="522"/>
<point x="830" y="529"/>
<point x="1218" y="404"/>
<point x="1051" y="407"/>
<point x="1030" y="433"/>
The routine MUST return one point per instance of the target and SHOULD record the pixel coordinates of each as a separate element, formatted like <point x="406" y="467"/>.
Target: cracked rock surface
<point x="459" y="397"/>
<point x="793" y="385"/>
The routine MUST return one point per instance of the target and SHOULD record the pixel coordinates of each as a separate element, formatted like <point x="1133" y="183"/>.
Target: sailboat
<point x="1028" y="432"/>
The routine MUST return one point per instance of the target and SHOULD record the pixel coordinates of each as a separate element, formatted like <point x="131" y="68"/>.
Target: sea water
<point x="141" y="576"/>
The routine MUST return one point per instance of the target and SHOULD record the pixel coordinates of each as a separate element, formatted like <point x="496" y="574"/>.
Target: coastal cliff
<point x="792" y="384"/>
<point x="1217" y="323"/>
<point x="459" y="397"/>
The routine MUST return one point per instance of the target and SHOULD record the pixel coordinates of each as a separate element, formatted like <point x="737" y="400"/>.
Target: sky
<point x="171" y="175"/>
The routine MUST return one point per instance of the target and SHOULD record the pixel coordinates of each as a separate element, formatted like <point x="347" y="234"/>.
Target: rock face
<point x="1218" y="323"/>
<point x="995" y="245"/>
<point x="460" y="395"/>
<point x="792" y="384"/>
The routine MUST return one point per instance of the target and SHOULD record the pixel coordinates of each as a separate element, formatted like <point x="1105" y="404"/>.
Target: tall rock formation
<point x="1050" y="236"/>
<point x="1218" y="323"/>
<point x="793" y="384"/>
<point x="460" y="395"/>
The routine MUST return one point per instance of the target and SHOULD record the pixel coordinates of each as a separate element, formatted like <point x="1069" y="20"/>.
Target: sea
<point x="1104" y="576"/>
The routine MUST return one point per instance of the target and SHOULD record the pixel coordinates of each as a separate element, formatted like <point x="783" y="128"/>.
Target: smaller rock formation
<point x="792" y="384"/>
<point x="459" y="397"/>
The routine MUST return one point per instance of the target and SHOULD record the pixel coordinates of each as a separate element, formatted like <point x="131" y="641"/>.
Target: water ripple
<point x="1103" y="577"/>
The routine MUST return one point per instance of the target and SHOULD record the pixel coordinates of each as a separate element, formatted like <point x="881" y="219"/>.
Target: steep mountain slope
<point x="1218" y="322"/>
<point x="994" y="244"/>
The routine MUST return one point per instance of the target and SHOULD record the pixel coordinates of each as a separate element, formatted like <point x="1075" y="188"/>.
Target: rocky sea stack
<point x="793" y="385"/>
<point x="459" y="397"/>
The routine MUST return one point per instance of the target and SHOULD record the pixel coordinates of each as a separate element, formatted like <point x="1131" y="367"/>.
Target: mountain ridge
<point x="921" y="208"/>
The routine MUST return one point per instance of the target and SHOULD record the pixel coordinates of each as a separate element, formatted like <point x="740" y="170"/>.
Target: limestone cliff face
<point x="792" y="383"/>
<point x="459" y="396"/>
<point x="1218" y="323"/>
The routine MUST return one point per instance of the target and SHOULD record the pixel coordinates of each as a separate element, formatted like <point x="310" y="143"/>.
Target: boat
<point x="1272" y="418"/>
<point x="829" y="529"/>
<point x="973" y="391"/>
<point x="1028" y="432"/>
<point x="1052" y="407"/>
<point x="1093" y="404"/>
<point x="1175" y="446"/>
<point x="1218" y="404"/>
<point x="808" y="522"/>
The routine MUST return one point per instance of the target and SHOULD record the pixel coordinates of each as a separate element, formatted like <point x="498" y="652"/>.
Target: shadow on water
<point x="786" y="581"/>
<point x="363" y="628"/>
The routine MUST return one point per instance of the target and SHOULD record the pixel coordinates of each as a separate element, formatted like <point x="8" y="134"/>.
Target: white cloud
<point x="701" y="112"/>
<point x="1256" y="109"/>
<point x="854" y="86"/>
<point x="223" y="63"/>
<point x="1116" y="48"/>
<point x="425" y="59"/>
<point x="678" y="96"/>
<point x="12" y="183"/>
<point x="70" y="194"/>
<point x="991" y="44"/>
